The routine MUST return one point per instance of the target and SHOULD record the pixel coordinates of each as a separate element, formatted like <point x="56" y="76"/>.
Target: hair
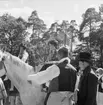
<point x="63" y="51"/>
<point x="54" y="43"/>
<point x="85" y="57"/>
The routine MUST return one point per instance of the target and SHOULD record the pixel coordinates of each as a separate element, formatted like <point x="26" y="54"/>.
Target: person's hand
<point x="74" y="97"/>
<point x="99" y="73"/>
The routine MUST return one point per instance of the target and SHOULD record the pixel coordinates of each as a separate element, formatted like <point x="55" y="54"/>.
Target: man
<point x="88" y="81"/>
<point x="23" y="54"/>
<point x="62" y="77"/>
<point x="52" y="44"/>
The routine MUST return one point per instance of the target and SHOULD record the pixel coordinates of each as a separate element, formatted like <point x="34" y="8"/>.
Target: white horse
<point x="17" y="71"/>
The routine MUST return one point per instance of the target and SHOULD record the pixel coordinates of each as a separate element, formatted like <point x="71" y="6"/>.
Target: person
<point x="3" y="93"/>
<point x="87" y="88"/>
<point x="62" y="79"/>
<point x="53" y="46"/>
<point x="23" y="55"/>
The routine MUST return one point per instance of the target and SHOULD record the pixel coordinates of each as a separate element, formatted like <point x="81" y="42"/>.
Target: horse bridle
<point x="4" y="64"/>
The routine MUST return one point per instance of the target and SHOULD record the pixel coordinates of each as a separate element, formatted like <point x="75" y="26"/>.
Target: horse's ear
<point x="30" y="82"/>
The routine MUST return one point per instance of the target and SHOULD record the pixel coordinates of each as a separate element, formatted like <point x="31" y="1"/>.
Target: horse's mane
<point x="18" y="62"/>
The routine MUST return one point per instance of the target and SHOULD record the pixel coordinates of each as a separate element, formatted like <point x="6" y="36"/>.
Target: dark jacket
<point x="88" y="88"/>
<point x="65" y="81"/>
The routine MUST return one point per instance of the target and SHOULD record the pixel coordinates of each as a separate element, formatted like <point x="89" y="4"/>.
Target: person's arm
<point x="25" y="56"/>
<point x="91" y="89"/>
<point x="45" y="76"/>
<point x="44" y="67"/>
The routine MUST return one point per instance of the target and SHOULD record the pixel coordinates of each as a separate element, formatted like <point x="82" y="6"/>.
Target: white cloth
<point x="77" y="83"/>
<point x="67" y="66"/>
<point x="60" y="98"/>
<point x="102" y="85"/>
<point x="99" y="98"/>
<point x="48" y="74"/>
<point x="45" y="76"/>
<point x="99" y="72"/>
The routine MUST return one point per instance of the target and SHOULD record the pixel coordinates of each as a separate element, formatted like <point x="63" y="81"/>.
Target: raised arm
<point x="45" y="76"/>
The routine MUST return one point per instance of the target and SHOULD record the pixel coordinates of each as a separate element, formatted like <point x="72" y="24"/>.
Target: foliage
<point x="38" y="27"/>
<point x="90" y="33"/>
<point x="12" y="33"/>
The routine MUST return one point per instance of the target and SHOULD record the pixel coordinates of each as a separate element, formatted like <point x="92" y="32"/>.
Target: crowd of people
<point x="62" y="82"/>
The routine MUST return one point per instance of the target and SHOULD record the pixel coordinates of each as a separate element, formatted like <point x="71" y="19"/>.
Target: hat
<point x="85" y="56"/>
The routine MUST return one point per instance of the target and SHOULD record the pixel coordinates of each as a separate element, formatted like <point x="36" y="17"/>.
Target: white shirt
<point x="48" y="74"/>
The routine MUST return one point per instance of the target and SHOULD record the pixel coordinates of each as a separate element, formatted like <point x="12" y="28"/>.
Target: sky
<point x="49" y="10"/>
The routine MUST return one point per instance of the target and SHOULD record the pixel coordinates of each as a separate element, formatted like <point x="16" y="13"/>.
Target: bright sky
<point x="48" y="10"/>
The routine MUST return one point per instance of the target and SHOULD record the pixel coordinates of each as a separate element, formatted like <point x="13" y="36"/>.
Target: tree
<point x="92" y="23"/>
<point x="38" y="27"/>
<point x="97" y="44"/>
<point x="12" y="33"/>
<point x="90" y="19"/>
<point x="37" y="40"/>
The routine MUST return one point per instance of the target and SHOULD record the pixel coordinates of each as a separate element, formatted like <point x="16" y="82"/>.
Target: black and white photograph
<point x="51" y="52"/>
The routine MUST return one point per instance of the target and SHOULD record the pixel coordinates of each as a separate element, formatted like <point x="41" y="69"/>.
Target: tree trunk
<point x="90" y="36"/>
<point x="71" y="44"/>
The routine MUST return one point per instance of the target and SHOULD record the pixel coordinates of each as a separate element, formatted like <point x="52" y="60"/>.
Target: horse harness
<point x="4" y="64"/>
